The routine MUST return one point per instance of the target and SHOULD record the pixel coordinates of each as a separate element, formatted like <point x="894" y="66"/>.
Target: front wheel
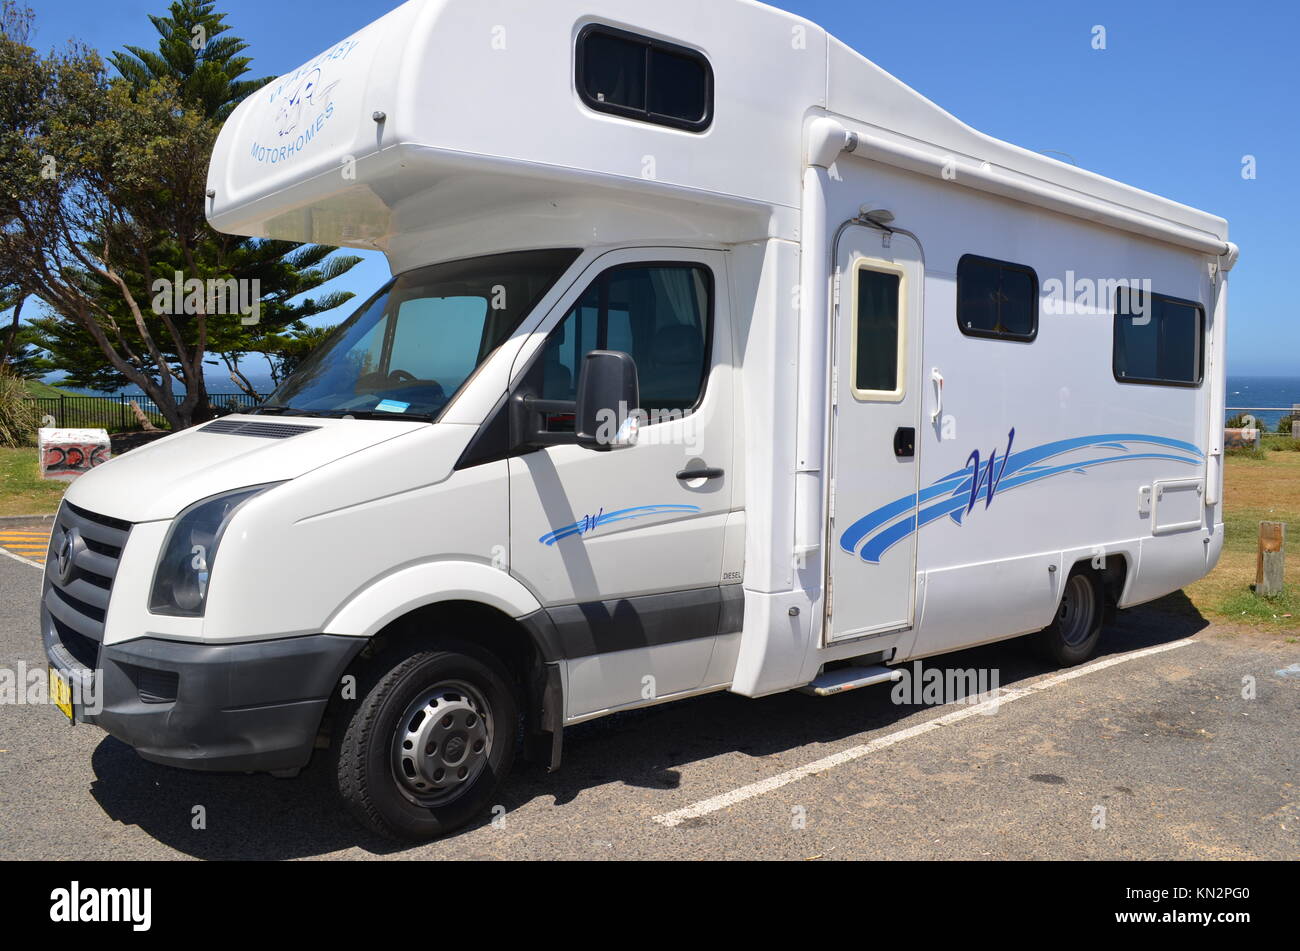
<point x="429" y="744"/>
<point x="1072" y="636"/>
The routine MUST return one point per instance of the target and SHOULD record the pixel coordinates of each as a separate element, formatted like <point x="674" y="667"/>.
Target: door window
<point x="877" y="344"/>
<point x="658" y="313"/>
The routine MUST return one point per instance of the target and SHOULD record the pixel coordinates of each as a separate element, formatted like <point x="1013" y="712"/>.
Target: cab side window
<point x="659" y="313"/>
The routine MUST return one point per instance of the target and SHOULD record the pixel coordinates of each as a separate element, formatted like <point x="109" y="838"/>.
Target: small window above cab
<point x="645" y="79"/>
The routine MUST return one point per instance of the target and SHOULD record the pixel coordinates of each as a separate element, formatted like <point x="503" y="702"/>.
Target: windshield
<point x="411" y="347"/>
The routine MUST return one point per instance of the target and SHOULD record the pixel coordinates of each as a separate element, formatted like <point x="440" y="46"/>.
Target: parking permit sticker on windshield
<point x="392" y="406"/>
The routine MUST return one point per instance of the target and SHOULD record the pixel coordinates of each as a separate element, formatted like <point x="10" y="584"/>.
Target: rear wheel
<point x="1072" y="636"/>
<point x="427" y="747"/>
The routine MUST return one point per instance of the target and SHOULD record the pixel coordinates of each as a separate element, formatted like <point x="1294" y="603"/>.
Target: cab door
<point x="876" y="407"/>
<point x="625" y="547"/>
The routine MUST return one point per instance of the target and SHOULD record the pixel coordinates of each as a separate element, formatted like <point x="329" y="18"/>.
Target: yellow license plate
<point x="61" y="693"/>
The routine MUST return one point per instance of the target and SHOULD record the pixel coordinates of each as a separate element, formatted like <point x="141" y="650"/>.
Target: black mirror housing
<point x="609" y="397"/>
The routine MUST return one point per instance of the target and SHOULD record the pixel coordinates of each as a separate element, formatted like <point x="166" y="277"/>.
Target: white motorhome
<point x="715" y="358"/>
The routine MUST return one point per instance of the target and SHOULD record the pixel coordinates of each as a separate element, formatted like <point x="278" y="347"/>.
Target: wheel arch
<point x="1111" y="570"/>
<point x="386" y="599"/>
<point x="473" y="603"/>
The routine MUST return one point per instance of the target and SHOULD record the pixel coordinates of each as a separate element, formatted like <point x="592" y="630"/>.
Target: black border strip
<point x="589" y="628"/>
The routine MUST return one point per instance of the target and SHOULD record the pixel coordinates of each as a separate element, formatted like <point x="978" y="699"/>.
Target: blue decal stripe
<point x="1019" y="468"/>
<point x="886" y="540"/>
<point x="1027" y="457"/>
<point x="621" y="515"/>
<point x="1080" y="466"/>
<point x="864" y="526"/>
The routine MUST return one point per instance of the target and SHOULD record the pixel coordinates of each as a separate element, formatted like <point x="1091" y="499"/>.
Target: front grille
<point x="235" y="427"/>
<point x="85" y="549"/>
<point x="83" y="650"/>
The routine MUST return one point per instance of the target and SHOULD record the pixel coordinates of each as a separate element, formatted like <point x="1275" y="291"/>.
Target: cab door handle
<point x="705" y="472"/>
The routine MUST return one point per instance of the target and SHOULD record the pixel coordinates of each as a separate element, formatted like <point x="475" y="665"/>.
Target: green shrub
<point x="18" y="417"/>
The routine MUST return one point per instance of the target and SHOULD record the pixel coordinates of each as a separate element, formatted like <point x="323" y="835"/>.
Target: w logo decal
<point x="957" y="494"/>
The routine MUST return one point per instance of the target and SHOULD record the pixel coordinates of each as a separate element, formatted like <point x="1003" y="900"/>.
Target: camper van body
<point x="817" y="503"/>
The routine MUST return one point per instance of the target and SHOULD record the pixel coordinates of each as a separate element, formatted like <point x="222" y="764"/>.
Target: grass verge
<point x="22" y="490"/>
<point x="1257" y="486"/>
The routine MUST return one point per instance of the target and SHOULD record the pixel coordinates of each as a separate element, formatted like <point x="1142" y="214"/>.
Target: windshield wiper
<point x="286" y="410"/>
<point x="341" y="413"/>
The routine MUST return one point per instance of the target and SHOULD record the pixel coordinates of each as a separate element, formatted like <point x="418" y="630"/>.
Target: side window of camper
<point x="645" y="79"/>
<point x="658" y="313"/>
<point x="996" y="299"/>
<point x="1158" y="339"/>
<point x="878" y="345"/>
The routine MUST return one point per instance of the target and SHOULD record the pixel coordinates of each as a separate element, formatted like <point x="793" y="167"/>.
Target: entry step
<point x="849" y="678"/>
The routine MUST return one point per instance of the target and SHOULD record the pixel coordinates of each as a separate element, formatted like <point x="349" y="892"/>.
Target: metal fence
<point x="114" y="412"/>
<point x="1266" y="417"/>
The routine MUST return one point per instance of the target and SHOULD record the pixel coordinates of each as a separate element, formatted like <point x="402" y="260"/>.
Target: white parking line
<point x="724" y="800"/>
<point x="25" y="561"/>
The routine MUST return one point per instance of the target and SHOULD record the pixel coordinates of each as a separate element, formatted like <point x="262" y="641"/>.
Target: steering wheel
<point x="401" y="376"/>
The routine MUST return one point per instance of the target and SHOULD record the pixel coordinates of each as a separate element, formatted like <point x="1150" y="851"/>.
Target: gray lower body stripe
<point x="651" y="620"/>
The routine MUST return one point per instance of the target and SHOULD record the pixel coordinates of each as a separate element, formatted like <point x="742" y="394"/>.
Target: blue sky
<point x="1183" y="91"/>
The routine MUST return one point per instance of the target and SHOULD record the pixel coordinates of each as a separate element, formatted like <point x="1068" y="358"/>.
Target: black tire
<point x="1072" y="636"/>
<point x="402" y="712"/>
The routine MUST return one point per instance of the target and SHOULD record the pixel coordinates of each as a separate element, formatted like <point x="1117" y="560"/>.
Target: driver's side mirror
<point x="607" y="415"/>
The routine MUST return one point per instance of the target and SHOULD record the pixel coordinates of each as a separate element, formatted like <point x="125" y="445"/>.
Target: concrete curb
<point x="14" y="519"/>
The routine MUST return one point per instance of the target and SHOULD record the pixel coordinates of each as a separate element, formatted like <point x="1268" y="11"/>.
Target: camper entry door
<point x="877" y="388"/>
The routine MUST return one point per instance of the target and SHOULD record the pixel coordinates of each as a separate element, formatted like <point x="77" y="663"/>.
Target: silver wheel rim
<point x="1078" y="607"/>
<point x="442" y="743"/>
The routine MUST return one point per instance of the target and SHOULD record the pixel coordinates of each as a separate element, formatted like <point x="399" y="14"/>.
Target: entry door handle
<point x="704" y="472"/>
<point x="937" y="379"/>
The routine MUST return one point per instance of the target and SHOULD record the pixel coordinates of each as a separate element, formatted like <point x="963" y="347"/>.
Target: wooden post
<point x="1272" y="554"/>
<point x="145" y="422"/>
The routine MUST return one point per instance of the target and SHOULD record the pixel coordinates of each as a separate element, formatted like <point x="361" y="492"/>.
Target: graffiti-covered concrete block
<point x="67" y="453"/>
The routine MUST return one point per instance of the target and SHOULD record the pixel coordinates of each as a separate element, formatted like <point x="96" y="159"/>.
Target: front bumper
<point x="252" y="706"/>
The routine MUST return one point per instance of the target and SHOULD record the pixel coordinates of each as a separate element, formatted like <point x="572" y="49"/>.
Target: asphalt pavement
<point x="1179" y="741"/>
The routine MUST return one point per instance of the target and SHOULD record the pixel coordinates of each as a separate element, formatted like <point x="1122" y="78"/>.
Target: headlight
<point x="180" y="584"/>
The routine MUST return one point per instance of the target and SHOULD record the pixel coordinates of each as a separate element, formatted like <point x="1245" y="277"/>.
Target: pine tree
<point x="126" y="209"/>
<point x="195" y="50"/>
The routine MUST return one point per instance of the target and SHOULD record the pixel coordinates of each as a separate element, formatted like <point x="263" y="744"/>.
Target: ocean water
<point x="216" y="385"/>
<point x="1255" y="391"/>
<point x="1261" y="391"/>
